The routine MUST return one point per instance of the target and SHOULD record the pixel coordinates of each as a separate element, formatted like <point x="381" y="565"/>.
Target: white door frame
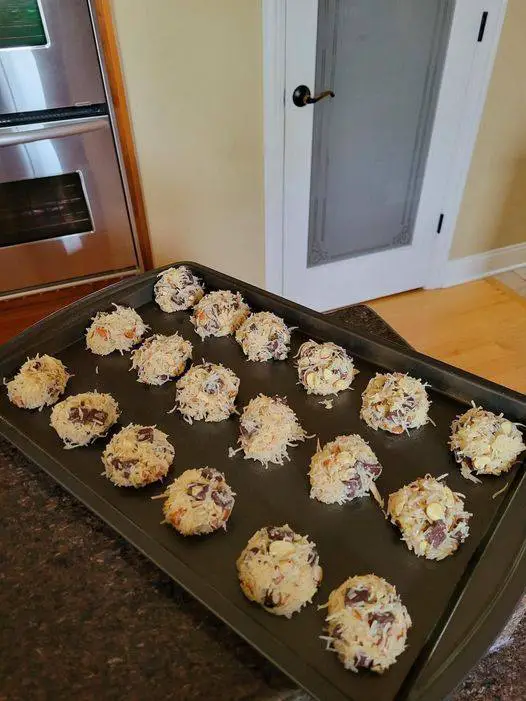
<point x="450" y="151"/>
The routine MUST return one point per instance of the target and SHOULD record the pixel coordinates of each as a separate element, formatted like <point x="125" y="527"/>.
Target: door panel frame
<point x="458" y="114"/>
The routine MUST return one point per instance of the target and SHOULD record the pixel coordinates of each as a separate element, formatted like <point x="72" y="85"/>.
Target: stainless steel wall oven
<point x="64" y="213"/>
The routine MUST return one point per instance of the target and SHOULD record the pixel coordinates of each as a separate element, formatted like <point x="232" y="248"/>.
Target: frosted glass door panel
<point x="384" y="60"/>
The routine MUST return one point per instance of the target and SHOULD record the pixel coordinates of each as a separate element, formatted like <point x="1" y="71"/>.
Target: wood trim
<point x="110" y="50"/>
<point x="480" y="265"/>
<point x="273" y="14"/>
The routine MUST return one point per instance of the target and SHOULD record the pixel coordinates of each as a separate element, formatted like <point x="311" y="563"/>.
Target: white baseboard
<point x="482" y="265"/>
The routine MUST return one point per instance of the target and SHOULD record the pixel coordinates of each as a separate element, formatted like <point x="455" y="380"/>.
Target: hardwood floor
<point x="17" y="314"/>
<point x="479" y="326"/>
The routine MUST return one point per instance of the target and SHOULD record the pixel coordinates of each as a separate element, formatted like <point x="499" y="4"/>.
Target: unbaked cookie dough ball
<point x="367" y="623"/>
<point x="137" y="456"/>
<point x="430" y="517"/>
<point x="219" y="313"/>
<point x="177" y="289"/>
<point x="118" y="330"/>
<point x="267" y="428"/>
<point x="343" y="470"/>
<point x="207" y="393"/>
<point x="39" y="383"/>
<point x="161" y="358"/>
<point x="80" y="419"/>
<point x="324" y="368"/>
<point x="485" y="443"/>
<point x="279" y="570"/>
<point x="198" y="502"/>
<point x="264" y="336"/>
<point x="395" y="402"/>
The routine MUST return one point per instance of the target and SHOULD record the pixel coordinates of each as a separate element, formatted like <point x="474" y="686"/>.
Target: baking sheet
<point x="351" y="539"/>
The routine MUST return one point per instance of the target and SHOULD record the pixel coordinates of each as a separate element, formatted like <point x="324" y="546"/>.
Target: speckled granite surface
<point x="83" y="615"/>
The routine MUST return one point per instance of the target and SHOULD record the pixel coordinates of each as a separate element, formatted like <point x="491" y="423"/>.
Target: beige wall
<point x="194" y="80"/>
<point x="493" y="211"/>
<point x="193" y="77"/>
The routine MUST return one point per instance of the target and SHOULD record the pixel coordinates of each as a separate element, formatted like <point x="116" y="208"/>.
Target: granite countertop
<point x="84" y="615"/>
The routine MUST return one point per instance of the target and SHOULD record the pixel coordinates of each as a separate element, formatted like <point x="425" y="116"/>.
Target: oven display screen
<point x="21" y="24"/>
<point x="43" y="208"/>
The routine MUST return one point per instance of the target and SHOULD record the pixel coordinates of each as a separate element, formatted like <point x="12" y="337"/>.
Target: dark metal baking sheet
<point x="458" y="605"/>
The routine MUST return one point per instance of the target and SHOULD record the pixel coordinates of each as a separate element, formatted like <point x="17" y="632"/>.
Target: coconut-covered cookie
<point x="80" y="419"/>
<point x="207" y="393"/>
<point x="324" y="368"/>
<point x="161" y="358"/>
<point x="367" y="623"/>
<point x="342" y="470"/>
<point x="198" y="502"/>
<point x="279" y="570"/>
<point x="137" y="456"/>
<point x="177" y="289"/>
<point x="267" y="428"/>
<point x="395" y="402"/>
<point x="484" y="443"/>
<point x="264" y="336"/>
<point x="219" y="313"/>
<point x="39" y="383"/>
<point x="118" y="330"/>
<point x="430" y="516"/>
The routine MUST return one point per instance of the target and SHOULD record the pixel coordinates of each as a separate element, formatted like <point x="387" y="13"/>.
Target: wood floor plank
<point x="479" y="327"/>
<point x="19" y="313"/>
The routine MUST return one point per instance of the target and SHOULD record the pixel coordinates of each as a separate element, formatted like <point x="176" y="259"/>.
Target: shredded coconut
<point x="484" y="443"/>
<point x="219" y="313"/>
<point x="501" y="491"/>
<point x="267" y="427"/>
<point x="430" y="516"/>
<point x="177" y="289"/>
<point x="137" y="456"/>
<point x="367" y="623"/>
<point x="395" y="402"/>
<point x="342" y="470"/>
<point x="118" y="330"/>
<point x="39" y="383"/>
<point x="199" y="501"/>
<point x="324" y="368"/>
<point x="377" y="497"/>
<point x="279" y="570"/>
<point x="80" y="419"/>
<point x="207" y="393"/>
<point x="327" y="403"/>
<point x="264" y="336"/>
<point x="161" y="358"/>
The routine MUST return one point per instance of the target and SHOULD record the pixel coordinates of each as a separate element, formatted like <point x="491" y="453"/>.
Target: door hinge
<point x="482" y="27"/>
<point x="440" y="222"/>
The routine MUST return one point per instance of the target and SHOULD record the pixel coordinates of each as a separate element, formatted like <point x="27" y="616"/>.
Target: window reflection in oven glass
<point x="43" y="208"/>
<point x="21" y="24"/>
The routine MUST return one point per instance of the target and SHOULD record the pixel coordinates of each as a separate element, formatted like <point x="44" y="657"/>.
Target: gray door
<point x="383" y="59"/>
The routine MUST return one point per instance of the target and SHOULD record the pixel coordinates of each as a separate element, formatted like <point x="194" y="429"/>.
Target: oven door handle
<point x="53" y="131"/>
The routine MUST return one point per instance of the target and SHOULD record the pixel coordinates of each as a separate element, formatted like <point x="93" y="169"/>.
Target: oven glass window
<point x="43" y="208"/>
<point x="21" y="24"/>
